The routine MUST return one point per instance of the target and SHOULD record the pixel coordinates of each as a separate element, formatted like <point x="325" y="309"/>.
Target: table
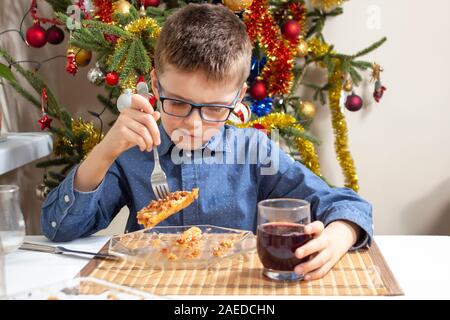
<point x="22" y="148"/>
<point x="412" y="259"/>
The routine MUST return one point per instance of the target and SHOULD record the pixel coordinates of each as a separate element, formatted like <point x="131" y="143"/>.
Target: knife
<point x="59" y="250"/>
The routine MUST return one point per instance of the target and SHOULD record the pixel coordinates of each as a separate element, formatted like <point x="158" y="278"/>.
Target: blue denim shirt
<point x="230" y="178"/>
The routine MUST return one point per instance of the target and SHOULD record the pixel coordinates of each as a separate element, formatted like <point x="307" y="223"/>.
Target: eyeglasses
<point x="208" y="112"/>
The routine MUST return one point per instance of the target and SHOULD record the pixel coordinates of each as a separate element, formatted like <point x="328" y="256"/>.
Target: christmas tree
<point x="288" y="42"/>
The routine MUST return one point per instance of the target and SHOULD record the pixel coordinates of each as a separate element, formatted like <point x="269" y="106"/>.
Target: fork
<point x="158" y="178"/>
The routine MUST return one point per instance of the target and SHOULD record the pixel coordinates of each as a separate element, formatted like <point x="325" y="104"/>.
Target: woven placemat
<point x="359" y="273"/>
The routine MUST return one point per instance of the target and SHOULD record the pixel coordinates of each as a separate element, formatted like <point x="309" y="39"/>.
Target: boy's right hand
<point x="136" y="125"/>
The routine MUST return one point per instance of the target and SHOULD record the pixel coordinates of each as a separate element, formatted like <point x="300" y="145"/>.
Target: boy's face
<point x="192" y="132"/>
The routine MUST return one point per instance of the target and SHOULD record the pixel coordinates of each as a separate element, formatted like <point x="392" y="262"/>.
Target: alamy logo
<point x="233" y="147"/>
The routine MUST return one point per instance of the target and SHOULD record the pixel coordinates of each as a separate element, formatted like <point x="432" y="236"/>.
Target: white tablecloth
<point x="22" y="148"/>
<point x="421" y="265"/>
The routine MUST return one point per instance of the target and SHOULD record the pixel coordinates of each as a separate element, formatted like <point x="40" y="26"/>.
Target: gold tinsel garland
<point x="138" y="26"/>
<point x="79" y="127"/>
<point x="326" y="4"/>
<point x="340" y="129"/>
<point x="129" y="82"/>
<point x="279" y="120"/>
<point x="317" y="47"/>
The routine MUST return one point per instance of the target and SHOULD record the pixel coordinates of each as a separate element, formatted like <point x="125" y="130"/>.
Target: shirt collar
<point x="217" y="143"/>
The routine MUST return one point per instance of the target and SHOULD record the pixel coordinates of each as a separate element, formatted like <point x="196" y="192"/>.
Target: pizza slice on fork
<point x="159" y="210"/>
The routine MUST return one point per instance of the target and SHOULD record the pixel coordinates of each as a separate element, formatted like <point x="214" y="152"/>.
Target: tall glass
<point x="280" y="232"/>
<point x="12" y="226"/>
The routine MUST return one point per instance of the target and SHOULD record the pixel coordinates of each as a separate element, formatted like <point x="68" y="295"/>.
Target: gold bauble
<point x="302" y="48"/>
<point x="82" y="57"/>
<point x="348" y="85"/>
<point x="237" y="5"/>
<point x="122" y="7"/>
<point x="308" y="109"/>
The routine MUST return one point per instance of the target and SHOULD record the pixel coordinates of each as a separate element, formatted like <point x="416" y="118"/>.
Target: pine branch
<point x="59" y="5"/>
<point x="363" y="52"/>
<point x="96" y="25"/>
<point x="128" y="67"/>
<point x="56" y="176"/>
<point x="370" y="48"/>
<point x="51" y="184"/>
<point x="293" y="132"/>
<point x="107" y="28"/>
<point x="362" y="65"/>
<point x="20" y="90"/>
<point x="142" y="59"/>
<point x="52" y="162"/>
<point x="91" y="39"/>
<point x="123" y="19"/>
<point x="36" y="83"/>
<point x="118" y="56"/>
<point x="356" y="77"/>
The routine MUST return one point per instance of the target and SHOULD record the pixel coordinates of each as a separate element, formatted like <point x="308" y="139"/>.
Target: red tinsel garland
<point x="104" y="10"/>
<point x="262" y="28"/>
<point x="298" y="12"/>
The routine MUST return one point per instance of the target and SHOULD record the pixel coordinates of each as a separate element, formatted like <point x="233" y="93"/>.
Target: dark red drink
<point x="277" y="242"/>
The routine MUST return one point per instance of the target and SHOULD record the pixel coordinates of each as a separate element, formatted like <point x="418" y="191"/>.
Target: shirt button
<point x="66" y="198"/>
<point x="54" y="224"/>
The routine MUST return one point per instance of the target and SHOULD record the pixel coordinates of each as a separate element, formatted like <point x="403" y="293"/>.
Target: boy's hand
<point x="326" y="248"/>
<point x="135" y="125"/>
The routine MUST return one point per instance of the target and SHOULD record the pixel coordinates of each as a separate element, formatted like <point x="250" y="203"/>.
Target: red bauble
<point x="112" y="78"/>
<point x="36" y="36"/>
<point x="151" y="3"/>
<point x="55" y="35"/>
<point x="258" y="91"/>
<point x="353" y="102"/>
<point x="291" y="30"/>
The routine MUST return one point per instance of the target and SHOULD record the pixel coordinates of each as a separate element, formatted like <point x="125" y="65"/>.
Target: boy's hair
<point x="207" y="38"/>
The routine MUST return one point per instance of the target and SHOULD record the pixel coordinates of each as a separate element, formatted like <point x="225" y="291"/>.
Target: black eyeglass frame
<point x="199" y="106"/>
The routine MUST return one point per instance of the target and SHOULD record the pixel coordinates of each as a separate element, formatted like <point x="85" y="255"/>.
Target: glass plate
<point x="158" y="246"/>
<point x="84" y="288"/>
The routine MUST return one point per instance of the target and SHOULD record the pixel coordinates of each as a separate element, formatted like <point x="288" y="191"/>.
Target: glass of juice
<point x="280" y="232"/>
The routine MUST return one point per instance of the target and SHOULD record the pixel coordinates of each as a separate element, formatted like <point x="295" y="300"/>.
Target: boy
<point x="202" y="60"/>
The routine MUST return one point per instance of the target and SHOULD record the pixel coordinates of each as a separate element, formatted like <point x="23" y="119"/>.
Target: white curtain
<point x="74" y="93"/>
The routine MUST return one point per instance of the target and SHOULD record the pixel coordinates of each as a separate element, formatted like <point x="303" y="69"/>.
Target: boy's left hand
<point x="326" y="248"/>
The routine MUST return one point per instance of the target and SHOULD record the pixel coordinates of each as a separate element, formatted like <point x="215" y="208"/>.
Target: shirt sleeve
<point x="68" y="214"/>
<point x="289" y="178"/>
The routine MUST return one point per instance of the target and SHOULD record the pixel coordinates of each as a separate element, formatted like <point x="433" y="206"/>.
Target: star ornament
<point x="45" y="122"/>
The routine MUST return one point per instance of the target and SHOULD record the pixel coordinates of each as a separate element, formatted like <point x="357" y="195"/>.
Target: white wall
<point x="401" y="146"/>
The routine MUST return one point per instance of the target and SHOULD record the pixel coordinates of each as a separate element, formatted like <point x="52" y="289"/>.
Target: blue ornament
<point x="261" y="107"/>
<point x="256" y="67"/>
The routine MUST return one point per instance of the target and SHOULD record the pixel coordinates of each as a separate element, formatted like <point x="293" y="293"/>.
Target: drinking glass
<point x="12" y="226"/>
<point x="279" y="233"/>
